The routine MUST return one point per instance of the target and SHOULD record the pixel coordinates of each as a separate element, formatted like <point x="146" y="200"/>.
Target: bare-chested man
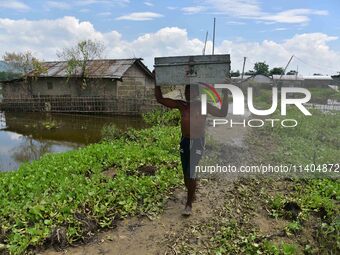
<point x="193" y="130"/>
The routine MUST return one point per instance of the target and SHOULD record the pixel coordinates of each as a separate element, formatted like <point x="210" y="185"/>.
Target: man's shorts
<point x="191" y="153"/>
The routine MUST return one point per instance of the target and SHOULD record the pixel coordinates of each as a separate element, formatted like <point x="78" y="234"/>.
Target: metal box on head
<point x="188" y="70"/>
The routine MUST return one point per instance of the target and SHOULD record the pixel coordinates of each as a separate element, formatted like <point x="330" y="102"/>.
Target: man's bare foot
<point x="187" y="211"/>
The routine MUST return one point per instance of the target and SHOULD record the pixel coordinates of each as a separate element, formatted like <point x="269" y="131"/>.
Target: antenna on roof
<point x="205" y="43"/>
<point x="213" y="47"/>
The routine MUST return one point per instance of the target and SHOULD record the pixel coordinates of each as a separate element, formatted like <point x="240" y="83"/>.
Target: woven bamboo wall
<point x="122" y="106"/>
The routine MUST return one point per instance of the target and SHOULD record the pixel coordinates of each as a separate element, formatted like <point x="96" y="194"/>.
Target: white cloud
<point x="45" y="37"/>
<point x="312" y="48"/>
<point x="13" y="4"/>
<point x="251" y="9"/>
<point x="83" y="3"/>
<point x="110" y="2"/>
<point x="193" y="9"/>
<point x="140" y="16"/>
<point x="293" y="16"/>
<point x="57" y="5"/>
<point x="240" y="8"/>
<point x="149" y="4"/>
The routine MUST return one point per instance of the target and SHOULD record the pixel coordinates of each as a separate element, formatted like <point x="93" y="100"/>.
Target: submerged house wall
<point x="114" y="86"/>
<point x="135" y="84"/>
<point x="74" y="87"/>
<point x="16" y="89"/>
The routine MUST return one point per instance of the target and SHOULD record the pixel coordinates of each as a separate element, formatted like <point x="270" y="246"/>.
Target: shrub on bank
<point x="162" y="117"/>
<point x="63" y="198"/>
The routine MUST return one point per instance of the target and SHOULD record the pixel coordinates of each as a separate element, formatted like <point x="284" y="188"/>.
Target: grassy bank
<point x="64" y="198"/>
<point x="303" y="212"/>
<point x="278" y="216"/>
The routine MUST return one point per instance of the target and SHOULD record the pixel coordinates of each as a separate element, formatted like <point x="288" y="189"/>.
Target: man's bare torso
<point x="192" y="121"/>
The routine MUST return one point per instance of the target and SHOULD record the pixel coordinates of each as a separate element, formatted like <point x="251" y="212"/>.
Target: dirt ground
<point x="219" y="202"/>
<point x="144" y="236"/>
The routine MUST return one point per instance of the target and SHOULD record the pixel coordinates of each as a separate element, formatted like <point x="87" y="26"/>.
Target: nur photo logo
<point x="240" y="100"/>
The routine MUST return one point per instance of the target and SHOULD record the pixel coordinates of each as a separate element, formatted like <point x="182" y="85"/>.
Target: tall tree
<point x="292" y="72"/>
<point x="78" y="56"/>
<point x="234" y="74"/>
<point x="277" y="70"/>
<point x="261" y="68"/>
<point x="24" y="63"/>
<point x="250" y="72"/>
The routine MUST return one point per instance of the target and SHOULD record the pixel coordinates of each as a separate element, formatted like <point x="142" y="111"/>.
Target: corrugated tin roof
<point x="259" y="78"/>
<point x="103" y="68"/>
<point x="303" y="77"/>
<point x="288" y="77"/>
<point x="318" y="77"/>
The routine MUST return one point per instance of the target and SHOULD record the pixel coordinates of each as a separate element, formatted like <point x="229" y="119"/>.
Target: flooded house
<point x="111" y="85"/>
<point x="105" y="78"/>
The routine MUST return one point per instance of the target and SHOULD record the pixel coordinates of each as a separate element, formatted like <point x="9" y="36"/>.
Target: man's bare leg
<point x="191" y="187"/>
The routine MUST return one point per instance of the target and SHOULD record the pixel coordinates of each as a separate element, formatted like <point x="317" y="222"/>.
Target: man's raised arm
<point x="224" y="109"/>
<point x="168" y="102"/>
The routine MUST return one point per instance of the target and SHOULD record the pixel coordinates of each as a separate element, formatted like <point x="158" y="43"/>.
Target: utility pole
<point x="213" y="47"/>
<point x="286" y="66"/>
<point x="244" y="64"/>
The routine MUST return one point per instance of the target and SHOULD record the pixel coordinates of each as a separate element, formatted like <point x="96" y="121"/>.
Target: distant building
<point x="288" y="80"/>
<point x="320" y="81"/>
<point x="109" y="78"/>
<point x="336" y="79"/>
<point x="253" y="79"/>
<point x="317" y="81"/>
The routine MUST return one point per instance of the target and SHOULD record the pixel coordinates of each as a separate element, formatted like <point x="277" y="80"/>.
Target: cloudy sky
<point x="261" y="30"/>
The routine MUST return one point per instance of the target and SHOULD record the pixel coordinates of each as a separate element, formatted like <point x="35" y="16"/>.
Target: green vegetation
<point x="261" y="68"/>
<point x="78" y="57"/>
<point x="24" y="63"/>
<point x="162" y="117"/>
<point x="63" y="198"/>
<point x="293" y="215"/>
<point x="320" y="95"/>
<point x="6" y="76"/>
<point x="316" y="140"/>
<point x="277" y="71"/>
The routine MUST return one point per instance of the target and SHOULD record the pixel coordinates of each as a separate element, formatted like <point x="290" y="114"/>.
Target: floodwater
<point x="27" y="136"/>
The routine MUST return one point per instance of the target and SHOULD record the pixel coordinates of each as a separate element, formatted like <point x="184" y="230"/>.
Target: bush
<point x="110" y="132"/>
<point x="68" y="193"/>
<point x="162" y="117"/>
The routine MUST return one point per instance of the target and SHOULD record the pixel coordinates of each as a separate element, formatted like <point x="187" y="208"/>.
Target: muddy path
<point x="141" y="235"/>
<point x="145" y="236"/>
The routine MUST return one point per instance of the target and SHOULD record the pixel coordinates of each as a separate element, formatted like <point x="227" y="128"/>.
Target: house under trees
<point x="109" y="85"/>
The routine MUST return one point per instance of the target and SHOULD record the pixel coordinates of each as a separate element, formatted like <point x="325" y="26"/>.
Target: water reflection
<point x="27" y="136"/>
